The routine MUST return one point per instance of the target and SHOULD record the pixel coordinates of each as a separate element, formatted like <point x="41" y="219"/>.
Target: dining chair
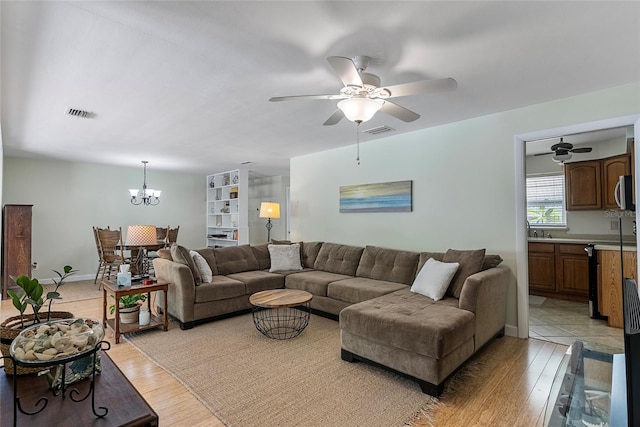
<point x="110" y="249"/>
<point x="172" y="236"/>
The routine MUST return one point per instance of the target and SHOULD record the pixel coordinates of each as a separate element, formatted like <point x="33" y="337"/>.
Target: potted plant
<point x="30" y="293"/>
<point x="129" y="307"/>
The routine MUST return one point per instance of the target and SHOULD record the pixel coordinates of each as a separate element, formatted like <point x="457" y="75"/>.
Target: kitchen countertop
<point x="611" y="242"/>
<point x="625" y="248"/>
<point x="599" y="244"/>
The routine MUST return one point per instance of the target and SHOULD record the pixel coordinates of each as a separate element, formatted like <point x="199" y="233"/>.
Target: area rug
<point x="249" y="380"/>
<point x="75" y="291"/>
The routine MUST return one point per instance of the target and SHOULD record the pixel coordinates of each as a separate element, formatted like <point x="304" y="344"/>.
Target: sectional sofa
<point x="368" y="289"/>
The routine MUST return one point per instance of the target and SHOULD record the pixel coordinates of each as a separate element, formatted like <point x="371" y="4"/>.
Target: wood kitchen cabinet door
<point x="612" y="169"/>
<point x="572" y="270"/>
<point x="16" y="244"/>
<point x="610" y="283"/>
<point x="542" y="267"/>
<point x="583" y="185"/>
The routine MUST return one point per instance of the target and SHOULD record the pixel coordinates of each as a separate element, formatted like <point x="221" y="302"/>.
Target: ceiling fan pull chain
<point x="358" y="142"/>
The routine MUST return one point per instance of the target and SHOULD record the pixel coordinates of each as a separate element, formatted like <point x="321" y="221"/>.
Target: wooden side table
<point x="118" y="328"/>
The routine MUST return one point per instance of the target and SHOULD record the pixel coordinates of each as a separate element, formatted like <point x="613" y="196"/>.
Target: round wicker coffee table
<point x="281" y="314"/>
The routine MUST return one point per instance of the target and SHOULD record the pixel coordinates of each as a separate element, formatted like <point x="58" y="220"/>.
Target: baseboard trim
<point x="511" y="331"/>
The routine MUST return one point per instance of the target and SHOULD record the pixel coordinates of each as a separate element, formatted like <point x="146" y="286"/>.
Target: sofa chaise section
<point x="424" y="339"/>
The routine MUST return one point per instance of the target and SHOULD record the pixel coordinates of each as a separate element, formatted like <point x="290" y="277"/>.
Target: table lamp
<point x="269" y="210"/>
<point x="140" y="236"/>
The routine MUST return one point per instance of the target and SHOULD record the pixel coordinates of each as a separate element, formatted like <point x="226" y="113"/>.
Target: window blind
<point x="545" y="200"/>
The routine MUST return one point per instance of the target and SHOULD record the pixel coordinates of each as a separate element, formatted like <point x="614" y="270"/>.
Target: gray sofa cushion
<point x="313" y="281"/>
<point x="360" y="289"/>
<point x="181" y="255"/>
<point x="424" y="257"/>
<point x="220" y="288"/>
<point x="491" y="261"/>
<point x="470" y="263"/>
<point x="309" y="253"/>
<point x="261" y="253"/>
<point x="339" y="259"/>
<point x="209" y="255"/>
<point x="410" y="322"/>
<point x="388" y="264"/>
<point x="235" y="259"/>
<point x="256" y="281"/>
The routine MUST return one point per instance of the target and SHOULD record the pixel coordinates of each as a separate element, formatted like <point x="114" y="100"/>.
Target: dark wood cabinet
<point x="542" y="266"/>
<point x="612" y="169"/>
<point x="16" y="243"/>
<point x="583" y="184"/>
<point x="559" y="271"/>
<point x="590" y="185"/>
<point x="572" y="268"/>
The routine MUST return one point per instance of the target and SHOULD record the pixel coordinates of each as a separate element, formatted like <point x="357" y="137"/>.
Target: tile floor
<point x="564" y="322"/>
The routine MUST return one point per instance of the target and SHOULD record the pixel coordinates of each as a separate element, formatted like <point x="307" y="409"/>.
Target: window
<point x="545" y="200"/>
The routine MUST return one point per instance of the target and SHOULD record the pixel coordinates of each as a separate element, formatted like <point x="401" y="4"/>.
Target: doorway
<point x="520" y="188"/>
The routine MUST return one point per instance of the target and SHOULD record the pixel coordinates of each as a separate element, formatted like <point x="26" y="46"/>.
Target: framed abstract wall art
<point x="381" y="197"/>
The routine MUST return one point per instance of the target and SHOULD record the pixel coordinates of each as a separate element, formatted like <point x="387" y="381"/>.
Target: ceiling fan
<point x="362" y="96"/>
<point x="562" y="151"/>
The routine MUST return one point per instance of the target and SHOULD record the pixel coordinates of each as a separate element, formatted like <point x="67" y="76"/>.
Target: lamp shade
<point x="141" y="235"/>
<point x="359" y="109"/>
<point x="269" y="210"/>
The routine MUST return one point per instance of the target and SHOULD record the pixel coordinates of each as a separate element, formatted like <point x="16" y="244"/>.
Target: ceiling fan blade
<point x="334" y="118"/>
<point x="544" y="154"/>
<point x="582" y="150"/>
<point x="423" y="86"/>
<point x="399" y="112"/>
<point x="346" y="70"/>
<point x="289" y="98"/>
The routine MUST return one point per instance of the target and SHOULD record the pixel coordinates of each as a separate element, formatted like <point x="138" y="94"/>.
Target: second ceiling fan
<point x="362" y="96"/>
<point x="562" y="151"/>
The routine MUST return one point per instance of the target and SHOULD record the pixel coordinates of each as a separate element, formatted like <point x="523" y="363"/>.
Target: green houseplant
<point x="129" y="307"/>
<point x="30" y="293"/>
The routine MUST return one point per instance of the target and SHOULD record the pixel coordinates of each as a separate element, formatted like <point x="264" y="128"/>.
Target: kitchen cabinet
<point x="612" y="169"/>
<point x="590" y="185"/>
<point x="542" y="266"/>
<point x="16" y="244"/>
<point x="610" y="282"/>
<point x="559" y="270"/>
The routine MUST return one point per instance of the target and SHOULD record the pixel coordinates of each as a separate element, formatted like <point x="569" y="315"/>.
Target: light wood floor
<point x="510" y="386"/>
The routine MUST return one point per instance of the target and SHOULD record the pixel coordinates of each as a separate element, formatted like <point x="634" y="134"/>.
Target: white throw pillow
<point x="433" y="279"/>
<point x="285" y="257"/>
<point x="203" y="266"/>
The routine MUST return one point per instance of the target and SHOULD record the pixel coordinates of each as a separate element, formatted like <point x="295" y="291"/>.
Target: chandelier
<point x="146" y="196"/>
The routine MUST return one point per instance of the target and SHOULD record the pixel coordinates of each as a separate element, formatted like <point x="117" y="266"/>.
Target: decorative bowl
<point x="57" y="340"/>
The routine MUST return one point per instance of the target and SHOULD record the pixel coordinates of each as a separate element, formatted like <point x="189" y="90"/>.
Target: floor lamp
<point x="269" y="210"/>
<point x="140" y="236"/>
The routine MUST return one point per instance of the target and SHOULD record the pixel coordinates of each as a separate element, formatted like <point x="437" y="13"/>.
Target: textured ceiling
<point x="186" y="85"/>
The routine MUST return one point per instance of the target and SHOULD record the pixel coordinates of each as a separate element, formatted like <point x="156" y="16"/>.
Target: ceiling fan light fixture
<point x="360" y="110"/>
<point x="561" y="157"/>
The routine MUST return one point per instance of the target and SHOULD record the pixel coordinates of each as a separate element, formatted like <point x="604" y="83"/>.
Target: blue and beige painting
<point x="380" y="197"/>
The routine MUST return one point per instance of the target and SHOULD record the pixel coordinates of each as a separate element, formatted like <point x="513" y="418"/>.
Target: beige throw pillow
<point x="203" y="267"/>
<point x="285" y="257"/>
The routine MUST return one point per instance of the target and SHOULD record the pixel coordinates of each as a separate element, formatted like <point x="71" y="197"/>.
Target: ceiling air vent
<point x="79" y="113"/>
<point x="246" y="163"/>
<point x="379" y="129"/>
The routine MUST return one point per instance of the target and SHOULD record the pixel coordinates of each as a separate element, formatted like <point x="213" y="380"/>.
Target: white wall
<point x="463" y="181"/>
<point x="69" y="198"/>
<point x="270" y="189"/>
